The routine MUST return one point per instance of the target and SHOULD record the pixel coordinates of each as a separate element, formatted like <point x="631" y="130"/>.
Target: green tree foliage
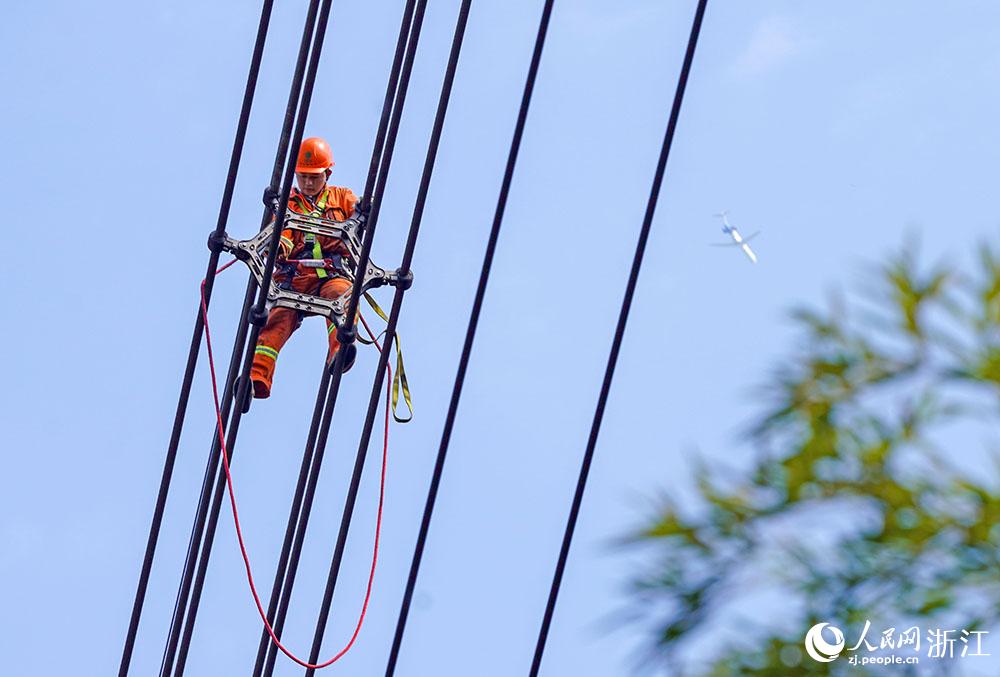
<point x="854" y="507"/>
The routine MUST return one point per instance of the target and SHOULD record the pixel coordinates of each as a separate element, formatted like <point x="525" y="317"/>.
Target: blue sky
<point x="833" y="128"/>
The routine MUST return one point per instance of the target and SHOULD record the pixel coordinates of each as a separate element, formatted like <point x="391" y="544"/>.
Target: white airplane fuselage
<point x="738" y="240"/>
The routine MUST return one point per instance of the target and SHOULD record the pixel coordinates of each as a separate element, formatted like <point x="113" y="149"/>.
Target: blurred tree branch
<point x="848" y="433"/>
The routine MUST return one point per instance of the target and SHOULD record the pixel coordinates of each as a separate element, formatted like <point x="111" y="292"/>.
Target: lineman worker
<point x="314" y="198"/>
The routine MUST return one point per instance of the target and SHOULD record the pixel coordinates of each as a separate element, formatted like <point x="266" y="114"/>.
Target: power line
<point x="296" y="113"/>
<point x="282" y="567"/>
<point x="205" y="525"/>
<point x="381" y="160"/>
<point x="307" y="457"/>
<point x="195" y="347"/>
<point x="390" y="332"/>
<point x="616" y="344"/>
<point x="308" y="454"/>
<point x="470" y="333"/>
<point x="346" y="333"/>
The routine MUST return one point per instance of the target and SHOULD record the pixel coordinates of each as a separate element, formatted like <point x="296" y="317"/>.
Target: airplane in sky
<point x="738" y="240"/>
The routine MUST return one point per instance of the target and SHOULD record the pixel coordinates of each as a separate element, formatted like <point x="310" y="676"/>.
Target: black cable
<point x="470" y="333"/>
<point x="281" y="185"/>
<point x="390" y="332"/>
<point x="300" y="485"/>
<point x="258" y="317"/>
<point x="195" y="347"/>
<point x="347" y="334"/>
<point x="388" y="102"/>
<point x="308" y="477"/>
<point x="616" y="344"/>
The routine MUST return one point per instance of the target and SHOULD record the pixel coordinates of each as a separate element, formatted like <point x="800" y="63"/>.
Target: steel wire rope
<point x="390" y="331"/>
<point x="470" y="333"/>
<point x="296" y="113"/>
<point x="300" y="494"/>
<point x="616" y="344"/>
<point x="195" y="347"/>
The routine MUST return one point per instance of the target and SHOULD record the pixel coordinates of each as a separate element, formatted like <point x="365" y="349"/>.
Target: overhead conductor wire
<point x="321" y="396"/>
<point x="616" y="344"/>
<point x="470" y="333"/>
<point x="195" y="347"/>
<point x="277" y="198"/>
<point x="346" y="334"/>
<point x="390" y="332"/>
<point x="312" y="459"/>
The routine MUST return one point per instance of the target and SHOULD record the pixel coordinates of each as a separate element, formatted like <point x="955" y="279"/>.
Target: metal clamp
<point x="216" y="241"/>
<point x="254" y="252"/>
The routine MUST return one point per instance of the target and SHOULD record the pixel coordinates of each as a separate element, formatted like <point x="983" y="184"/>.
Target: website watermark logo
<point x="821" y="650"/>
<point x="939" y="643"/>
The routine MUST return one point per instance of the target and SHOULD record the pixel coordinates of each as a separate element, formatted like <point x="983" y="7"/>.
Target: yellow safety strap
<point x="318" y="254"/>
<point x="399" y="381"/>
<point x="317" y="251"/>
<point x="319" y="209"/>
<point x="321" y="204"/>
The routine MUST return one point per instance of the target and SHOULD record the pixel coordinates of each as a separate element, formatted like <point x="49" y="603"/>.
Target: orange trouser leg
<point x="331" y="289"/>
<point x="281" y="322"/>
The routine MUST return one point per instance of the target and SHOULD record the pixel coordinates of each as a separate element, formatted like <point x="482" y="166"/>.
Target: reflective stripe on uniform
<point x="266" y="350"/>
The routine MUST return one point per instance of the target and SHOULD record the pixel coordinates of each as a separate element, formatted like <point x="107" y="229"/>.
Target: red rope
<point x="236" y="516"/>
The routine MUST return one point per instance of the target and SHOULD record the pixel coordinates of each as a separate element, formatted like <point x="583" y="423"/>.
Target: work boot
<point x="350" y="354"/>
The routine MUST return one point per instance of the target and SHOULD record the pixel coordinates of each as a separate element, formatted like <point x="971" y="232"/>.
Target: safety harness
<point x="319" y="262"/>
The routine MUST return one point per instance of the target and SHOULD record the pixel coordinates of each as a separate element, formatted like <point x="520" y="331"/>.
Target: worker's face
<point x="311" y="184"/>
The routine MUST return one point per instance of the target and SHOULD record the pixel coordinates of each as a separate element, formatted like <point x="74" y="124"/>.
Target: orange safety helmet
<point x="315" y="156"/>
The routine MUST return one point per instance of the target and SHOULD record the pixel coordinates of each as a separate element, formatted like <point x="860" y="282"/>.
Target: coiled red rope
<point x="236" y="516"/>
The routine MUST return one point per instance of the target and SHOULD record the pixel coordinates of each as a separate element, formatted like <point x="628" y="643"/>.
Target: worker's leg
<point x="281" y="322"/>
<point x="331" y="289"/>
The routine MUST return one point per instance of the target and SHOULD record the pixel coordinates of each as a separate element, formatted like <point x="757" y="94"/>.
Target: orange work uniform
<point x="334" y="203"/>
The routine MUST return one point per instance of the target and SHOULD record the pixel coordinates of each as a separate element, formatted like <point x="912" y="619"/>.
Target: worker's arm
<point x="285" y="244"/>
<point x="350" y="200"/>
